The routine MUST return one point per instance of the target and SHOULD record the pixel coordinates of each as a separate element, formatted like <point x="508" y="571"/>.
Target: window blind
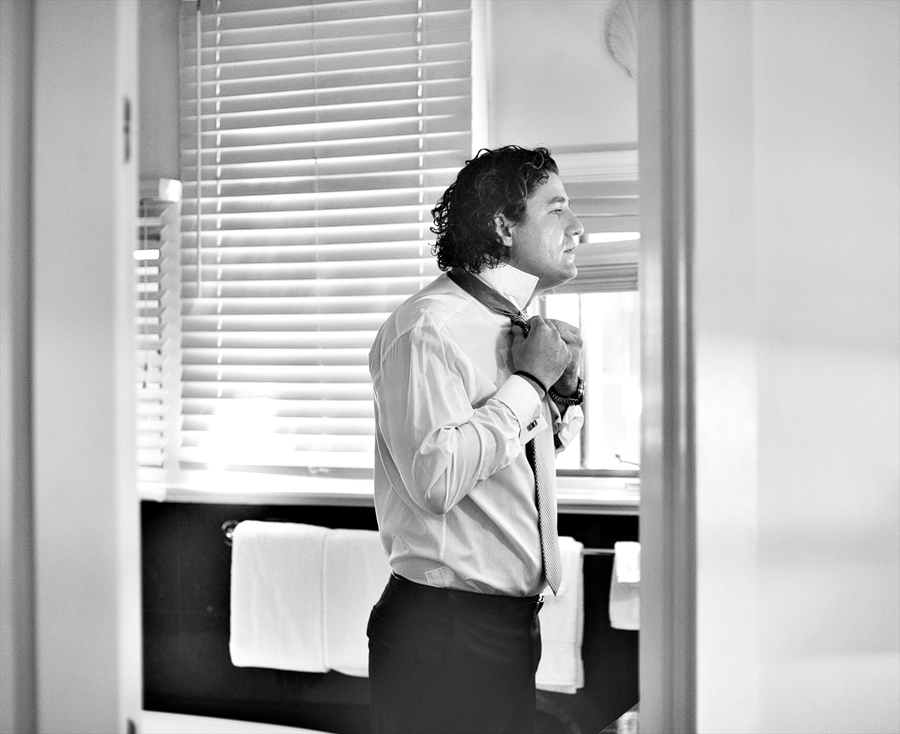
<point x="327" y="130"/>
<point x="156" y="287"/>
<point x="603" y="189"/>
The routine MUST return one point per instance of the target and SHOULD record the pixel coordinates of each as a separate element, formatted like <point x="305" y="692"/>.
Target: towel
<point x="276" y="596"/>
<point x="356" y="571"/>
<point x="625" y="587"/>
<point x="562" y="626"/>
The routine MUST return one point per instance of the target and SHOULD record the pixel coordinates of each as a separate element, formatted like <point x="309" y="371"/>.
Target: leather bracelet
<point x="535" y="380"/>
<point x="575" y="399"/>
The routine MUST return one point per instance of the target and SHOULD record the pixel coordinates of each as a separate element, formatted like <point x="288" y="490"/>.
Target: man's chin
<point x="570" y="274"/>
<point x="561" y="278"/>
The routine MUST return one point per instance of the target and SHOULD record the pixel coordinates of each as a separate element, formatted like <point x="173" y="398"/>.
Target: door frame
<point x="667" y="515"/>
<point x="86" y="512"/>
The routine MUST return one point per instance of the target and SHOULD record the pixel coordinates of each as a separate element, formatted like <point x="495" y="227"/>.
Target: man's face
<point x="543" y="243"/>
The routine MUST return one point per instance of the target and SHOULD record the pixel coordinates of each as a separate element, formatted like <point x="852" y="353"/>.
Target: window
<point x="327" y="130"/>
<point x="610" y="325"/>
<point x="603" y="301"/>
<point x="316" y="138"/>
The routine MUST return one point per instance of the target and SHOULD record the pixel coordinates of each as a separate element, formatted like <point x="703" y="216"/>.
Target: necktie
<point x="541" y="453"/>
<point x="539" y="450"/>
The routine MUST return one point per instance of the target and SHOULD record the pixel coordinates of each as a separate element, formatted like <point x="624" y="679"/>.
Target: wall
<point x="552" y="81"/>
<point x="158" y="88"/>
<point x="796" y="316"/>
<point x="17" y="693"/>
<point x="726" y="373"/>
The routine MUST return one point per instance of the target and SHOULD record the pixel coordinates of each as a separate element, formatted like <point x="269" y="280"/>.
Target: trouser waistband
<point x="491" y="603"/>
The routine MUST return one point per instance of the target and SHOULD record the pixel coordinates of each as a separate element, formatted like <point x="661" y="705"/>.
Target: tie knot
<point x="520" y="319"/>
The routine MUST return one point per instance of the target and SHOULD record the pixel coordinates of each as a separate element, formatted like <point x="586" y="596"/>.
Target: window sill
<point x="598" y="495"/>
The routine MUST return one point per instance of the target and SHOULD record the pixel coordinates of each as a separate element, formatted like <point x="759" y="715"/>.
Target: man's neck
<point x="515" y="285"/>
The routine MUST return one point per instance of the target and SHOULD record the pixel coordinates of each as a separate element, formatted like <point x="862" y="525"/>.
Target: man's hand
<point x="543" y="353"/>
<point x="567" y="383"/>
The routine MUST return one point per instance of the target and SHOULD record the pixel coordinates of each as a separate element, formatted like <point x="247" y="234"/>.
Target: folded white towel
<point x="562" y="626"/>
<point x="624" y="587"/>
<point x="356" y="571"/>
<point x="276" y="596"/>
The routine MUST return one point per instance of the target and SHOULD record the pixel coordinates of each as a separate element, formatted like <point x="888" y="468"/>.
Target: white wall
<point x="158" y="88"/>
<point x="726" y="351"/>
<point x="552" y="82"/>
<point x="797" y="144"/>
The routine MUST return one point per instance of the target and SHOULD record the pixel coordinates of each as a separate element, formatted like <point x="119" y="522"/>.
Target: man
<point x="469" y="409"/>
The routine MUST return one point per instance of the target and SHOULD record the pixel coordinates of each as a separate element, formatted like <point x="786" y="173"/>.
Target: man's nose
<point x="575" y="228"/>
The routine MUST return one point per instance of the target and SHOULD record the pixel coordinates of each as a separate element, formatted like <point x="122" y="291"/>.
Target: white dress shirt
<point x="454" y="492"/>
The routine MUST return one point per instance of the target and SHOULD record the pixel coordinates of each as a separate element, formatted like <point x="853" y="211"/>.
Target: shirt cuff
<point x="569" y="425"/>
<point x="519" y="396"/>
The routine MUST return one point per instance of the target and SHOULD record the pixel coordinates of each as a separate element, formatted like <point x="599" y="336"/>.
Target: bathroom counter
<point x="576" y="494"/>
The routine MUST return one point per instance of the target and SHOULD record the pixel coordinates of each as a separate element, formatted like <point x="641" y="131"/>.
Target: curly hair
<point x="494" y="182"/>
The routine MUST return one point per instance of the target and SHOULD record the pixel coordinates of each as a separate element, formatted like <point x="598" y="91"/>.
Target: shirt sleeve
<point x="567" y="425"/>
<point x="442" y="439"/>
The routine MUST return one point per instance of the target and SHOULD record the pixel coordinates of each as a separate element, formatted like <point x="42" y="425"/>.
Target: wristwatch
<point x="576" y="398"/>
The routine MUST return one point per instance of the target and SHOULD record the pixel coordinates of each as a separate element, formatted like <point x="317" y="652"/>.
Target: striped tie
<point x="539" y="450"/>
<point x="540" y="454"/>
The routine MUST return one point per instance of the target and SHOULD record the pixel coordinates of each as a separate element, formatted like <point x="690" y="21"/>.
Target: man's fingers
<point x="568" y="332"/>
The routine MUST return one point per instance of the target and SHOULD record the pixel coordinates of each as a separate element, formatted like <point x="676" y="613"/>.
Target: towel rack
<point x="228" y="528"/>
<point x="229" y="525"/>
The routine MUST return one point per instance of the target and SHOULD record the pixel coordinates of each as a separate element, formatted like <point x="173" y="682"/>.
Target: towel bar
<point x="228" y="528"/>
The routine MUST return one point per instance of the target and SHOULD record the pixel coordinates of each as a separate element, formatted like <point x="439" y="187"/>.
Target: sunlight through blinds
<point x="328" y="131"/>
<point x="156" y="288"/>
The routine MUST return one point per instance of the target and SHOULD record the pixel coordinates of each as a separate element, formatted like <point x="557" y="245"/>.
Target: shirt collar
<point x="515" y="285"/>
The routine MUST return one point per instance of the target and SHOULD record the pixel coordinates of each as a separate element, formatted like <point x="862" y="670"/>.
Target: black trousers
<point x="451" y="662"/>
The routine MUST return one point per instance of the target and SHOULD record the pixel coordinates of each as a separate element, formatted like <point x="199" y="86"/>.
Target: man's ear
<point x="503" y="228"/>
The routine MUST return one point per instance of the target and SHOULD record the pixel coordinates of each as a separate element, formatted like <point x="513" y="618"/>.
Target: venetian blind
<point x="156" y="258"/>
<point x="328" y="129"/>
<point x="603" y="189"/>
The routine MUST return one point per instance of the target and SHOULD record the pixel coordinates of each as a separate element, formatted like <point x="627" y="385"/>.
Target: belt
<point x="492" y="603"/>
